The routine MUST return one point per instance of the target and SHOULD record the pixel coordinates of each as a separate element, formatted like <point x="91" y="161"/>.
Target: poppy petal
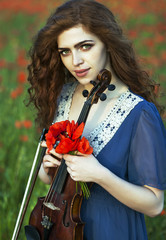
<point x="78" y="132"/>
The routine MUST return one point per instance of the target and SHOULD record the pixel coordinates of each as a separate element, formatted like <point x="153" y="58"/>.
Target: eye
<point x="64" y="52"/>
<point x="86" y="47"/>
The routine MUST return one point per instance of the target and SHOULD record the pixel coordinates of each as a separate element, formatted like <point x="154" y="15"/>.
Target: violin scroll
<point x="99" y="86"/>
<point x="104" y="76"/>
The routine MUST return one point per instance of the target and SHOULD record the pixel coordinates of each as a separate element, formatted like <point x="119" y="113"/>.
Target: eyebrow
<point x="78" y="44"/>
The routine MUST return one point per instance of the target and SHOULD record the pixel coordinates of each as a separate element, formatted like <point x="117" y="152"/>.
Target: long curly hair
<point x="47" y="74"/>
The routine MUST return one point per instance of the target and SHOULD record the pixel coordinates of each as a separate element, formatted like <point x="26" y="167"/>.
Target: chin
<point x="86" y="79"/>
<point x="84" y="82"/>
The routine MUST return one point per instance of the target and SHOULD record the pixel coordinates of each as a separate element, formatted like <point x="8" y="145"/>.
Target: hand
<point x="51" y="158"/>
<point x="83" y="168"/>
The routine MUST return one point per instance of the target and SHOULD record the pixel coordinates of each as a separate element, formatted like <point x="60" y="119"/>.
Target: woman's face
<point x="82" y="53"/>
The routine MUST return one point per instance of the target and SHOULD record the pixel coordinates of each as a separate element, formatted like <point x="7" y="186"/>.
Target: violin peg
<point x="93" y="83"/>
<point x="85" y="93"/>
<point x="111" y="87"/>
<point x="103" y="97"/>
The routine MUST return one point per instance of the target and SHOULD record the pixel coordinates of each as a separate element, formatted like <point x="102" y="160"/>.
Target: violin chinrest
<point x="31" y="233"/>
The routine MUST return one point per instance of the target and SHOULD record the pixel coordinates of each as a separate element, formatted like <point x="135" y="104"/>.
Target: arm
<point x="43" y="175"/>
<point x="145" y="199"/>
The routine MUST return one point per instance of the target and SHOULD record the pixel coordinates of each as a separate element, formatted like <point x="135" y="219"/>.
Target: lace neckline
<point x="106" y="129"/>
<point x="112" y="109"/>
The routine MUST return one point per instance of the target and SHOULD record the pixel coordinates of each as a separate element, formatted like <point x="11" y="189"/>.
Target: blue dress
<point x="130" y="142"/>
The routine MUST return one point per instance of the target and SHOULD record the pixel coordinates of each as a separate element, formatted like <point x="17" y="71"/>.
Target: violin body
<point x="62" y="223"/>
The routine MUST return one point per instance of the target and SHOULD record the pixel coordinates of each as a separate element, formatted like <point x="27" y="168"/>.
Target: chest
<point x="98" y="112"/>
<point x="103" y="121"/>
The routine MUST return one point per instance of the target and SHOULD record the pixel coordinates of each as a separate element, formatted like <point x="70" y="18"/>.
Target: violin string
<point x="54" y="186"/>
<point x="52" y="190"/>
<point x="60" y="179"/>
<point x="47" y="197"/>
<point x="52" y="193"/>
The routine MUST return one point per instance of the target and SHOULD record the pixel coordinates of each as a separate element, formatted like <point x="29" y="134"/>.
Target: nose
<point x="77" y="58"/>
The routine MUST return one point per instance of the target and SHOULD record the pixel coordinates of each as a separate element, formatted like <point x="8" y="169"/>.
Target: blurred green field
<point x="144" y="22"/>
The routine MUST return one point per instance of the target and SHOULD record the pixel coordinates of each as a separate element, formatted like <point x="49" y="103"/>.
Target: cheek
<point x="100" y="57"/>
<point x="66" y="62"/>
<point x="100" y="60"/>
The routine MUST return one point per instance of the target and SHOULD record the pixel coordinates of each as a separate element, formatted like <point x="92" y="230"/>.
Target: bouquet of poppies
<point x="65" y="138"/>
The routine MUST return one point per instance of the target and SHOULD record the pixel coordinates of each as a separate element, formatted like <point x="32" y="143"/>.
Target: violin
<point x="57" y="216"/>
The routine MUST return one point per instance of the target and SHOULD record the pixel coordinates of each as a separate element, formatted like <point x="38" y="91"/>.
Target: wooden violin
<point x="57" y="216"/>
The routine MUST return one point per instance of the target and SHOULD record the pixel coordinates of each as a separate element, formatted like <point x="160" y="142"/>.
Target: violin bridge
<point x="51" y="206"/>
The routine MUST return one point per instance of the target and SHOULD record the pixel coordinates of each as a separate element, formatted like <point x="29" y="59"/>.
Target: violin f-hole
<point x="64" y="215"/>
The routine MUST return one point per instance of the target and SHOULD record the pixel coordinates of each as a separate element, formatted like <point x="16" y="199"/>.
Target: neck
<point x="120" y="87"/>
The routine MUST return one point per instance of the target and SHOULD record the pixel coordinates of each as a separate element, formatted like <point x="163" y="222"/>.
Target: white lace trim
<point x="64" y="102"/>
<point x="103" y="133"/>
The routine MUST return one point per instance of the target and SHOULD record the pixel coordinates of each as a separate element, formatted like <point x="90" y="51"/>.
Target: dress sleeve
<point x="147" y="160"/>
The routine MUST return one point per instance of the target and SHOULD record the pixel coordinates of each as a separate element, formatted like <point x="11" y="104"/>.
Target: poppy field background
<point x="144" y="22"/>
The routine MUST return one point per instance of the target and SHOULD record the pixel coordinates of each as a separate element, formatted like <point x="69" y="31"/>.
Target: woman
<point x="127" y="166"/>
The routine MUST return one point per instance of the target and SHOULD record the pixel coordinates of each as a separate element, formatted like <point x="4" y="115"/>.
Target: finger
<point x="72" y="174"/>
<point x="68" y="157"/>
<point x="54" y="153"/>
<point x="67" y="163"/>
<point x="72" y="177"/>
<point x="48" y="164"/>
<point x="69" y="170"/>
<point x="71" y="166"/>
<point x="49" y="158"/>
<point x="43" y="144"/>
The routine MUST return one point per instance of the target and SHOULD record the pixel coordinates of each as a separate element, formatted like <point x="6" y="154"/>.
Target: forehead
<point x="75" y="35"/>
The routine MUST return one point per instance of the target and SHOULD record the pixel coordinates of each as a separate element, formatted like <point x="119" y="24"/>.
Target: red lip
<point x="82" y="72"/>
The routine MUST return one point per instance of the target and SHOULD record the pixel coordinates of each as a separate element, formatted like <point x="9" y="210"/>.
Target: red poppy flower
<point x="50" y="140"/>
<point x="18" y="124"/>
<point x="24" y="138"/>
<point x="55" y="133"/>
<point x="21" y="77"/>
<point x="66" y="146"/>
<point x="27" y="123"/>
<point x="3" y="63"/>
<point x="84" y="146"/>
<point x="21" y="60"/>
<point x="15" y="93"/>
<point x="65" y="136"/>
<point x="163" y="213"/>
<point x="74" y="131"/>
<point x="58" y="128"/>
